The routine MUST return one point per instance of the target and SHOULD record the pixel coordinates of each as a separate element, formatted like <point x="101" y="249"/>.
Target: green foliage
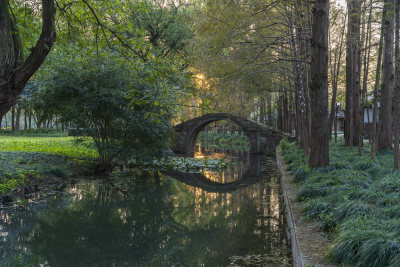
<point x="356" y="199"/>
<point x="163" y="24"/>
<point x="10" y="181"/>
<point x="125" y="107"/>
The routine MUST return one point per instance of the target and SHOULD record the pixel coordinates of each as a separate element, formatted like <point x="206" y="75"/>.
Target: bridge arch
<point x="263" y="139"/>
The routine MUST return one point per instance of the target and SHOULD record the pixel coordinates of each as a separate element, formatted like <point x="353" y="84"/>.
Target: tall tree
<point x="335" y="67"/>
<point x="374" y="134"/>
<point x="319" y="141"/>
<point x="352" y="112"/>
<point x="396" y="90"/>
<point x="385" y="113"/>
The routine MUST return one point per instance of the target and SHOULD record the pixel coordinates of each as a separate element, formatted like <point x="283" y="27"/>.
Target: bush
<point x="367" y="242"/>
<point x="301" y="173"/>
<point x="125" y="109"/>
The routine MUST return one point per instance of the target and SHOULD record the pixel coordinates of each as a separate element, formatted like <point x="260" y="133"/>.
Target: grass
<point x="38" y="132"/>
<point x="355" y="200"/>
<point x="65" y="146"/>
<point x="25" y="160"/>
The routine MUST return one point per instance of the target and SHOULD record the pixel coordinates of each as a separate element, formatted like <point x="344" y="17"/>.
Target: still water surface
<point x="227" y="221"/>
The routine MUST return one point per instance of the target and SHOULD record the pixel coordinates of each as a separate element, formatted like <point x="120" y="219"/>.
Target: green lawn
<point x="355" y="200"/>
<point x="65" y="146"/>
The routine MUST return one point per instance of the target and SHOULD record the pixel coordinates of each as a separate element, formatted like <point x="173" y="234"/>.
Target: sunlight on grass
<point x="65" y="146"/>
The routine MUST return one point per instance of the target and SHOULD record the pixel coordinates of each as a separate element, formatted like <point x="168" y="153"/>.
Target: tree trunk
<point x="352" y="112"/>
<point x="17" y="119"/>
<point x="385" y="113"/>
<point x="396" y="90"/>
<point x="14" y="72"/>
<point x="30" y="120"/>
<point x="286" y="116"/>
<point x="262" y="110"/>
<point x="367" y="53"/>
<point x="335" y="79"/>
<point x="269" y="103"/>
<point x="374" y="137"/>
<point x="319" y="141"/>
<point x="25" y="120"/>
<point x="12" y="119"/>
<point x="280" y="113"/>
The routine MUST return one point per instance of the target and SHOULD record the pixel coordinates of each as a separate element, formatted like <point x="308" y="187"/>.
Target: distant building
<point x="368" y="118"/>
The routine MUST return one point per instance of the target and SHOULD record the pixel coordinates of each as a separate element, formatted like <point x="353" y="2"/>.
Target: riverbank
<point x="354" y="203"/>
<point x="33" y="164"/>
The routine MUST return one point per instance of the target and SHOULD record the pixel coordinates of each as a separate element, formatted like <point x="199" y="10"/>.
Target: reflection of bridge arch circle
<point x="261" y="137"/>
<point x="260" y="167"/>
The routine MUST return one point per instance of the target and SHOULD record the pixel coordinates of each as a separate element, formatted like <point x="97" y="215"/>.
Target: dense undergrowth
<point x="223" y="138"/>
<point x="356" y="200"/>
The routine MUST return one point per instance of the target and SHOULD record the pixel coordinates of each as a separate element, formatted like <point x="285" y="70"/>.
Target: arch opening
<point x="222" y="139"/>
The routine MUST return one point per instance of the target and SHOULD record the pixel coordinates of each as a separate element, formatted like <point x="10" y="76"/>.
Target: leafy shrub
<point x="322" y="212"/>
<point x="350" y="209"/>
<point x="310" y="191"/>
<point x="125" y="107"/>
<point x="301" y="174"/>
<point x="388" y="184"/>
<point x="367" y="242"/>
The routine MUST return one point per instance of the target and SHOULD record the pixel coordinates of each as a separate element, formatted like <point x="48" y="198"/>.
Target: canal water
<point x="229" y="218"/>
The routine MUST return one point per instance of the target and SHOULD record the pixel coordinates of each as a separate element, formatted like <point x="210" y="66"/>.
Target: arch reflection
<point x="257" y="168"/>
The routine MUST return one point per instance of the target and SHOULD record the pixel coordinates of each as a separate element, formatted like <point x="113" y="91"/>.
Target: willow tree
<point x="14" y="70"/>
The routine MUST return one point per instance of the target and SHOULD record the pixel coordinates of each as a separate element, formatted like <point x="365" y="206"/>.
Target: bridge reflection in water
<point x="245" y="170"/>
<point x="248" y="194"/>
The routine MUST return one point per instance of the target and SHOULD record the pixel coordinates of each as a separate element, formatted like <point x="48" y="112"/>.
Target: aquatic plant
<point x="182" y="164"/>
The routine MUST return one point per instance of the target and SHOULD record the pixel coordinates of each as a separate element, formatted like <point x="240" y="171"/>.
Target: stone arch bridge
<point x="263" y="139"/>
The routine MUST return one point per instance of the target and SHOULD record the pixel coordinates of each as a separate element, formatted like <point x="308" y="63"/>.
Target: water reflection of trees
<point x="170" y="224"/>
